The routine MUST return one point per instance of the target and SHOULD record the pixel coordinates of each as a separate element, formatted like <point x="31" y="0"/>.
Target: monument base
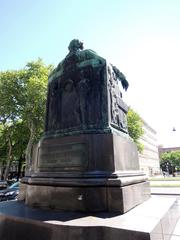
<point x="112" y="197"/>
<point x="154" y="219"/>
<point x="89" y="173"/>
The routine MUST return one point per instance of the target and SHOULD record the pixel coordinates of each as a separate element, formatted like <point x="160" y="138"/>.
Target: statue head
<point x="75" y="45"/>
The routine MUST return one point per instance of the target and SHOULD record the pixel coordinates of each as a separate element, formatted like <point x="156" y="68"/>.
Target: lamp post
<point x="174" y="129"/>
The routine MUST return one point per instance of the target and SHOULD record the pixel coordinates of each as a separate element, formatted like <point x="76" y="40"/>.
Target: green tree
<point x="22" y="108"/>
<point x="13" y="142"/>
<point x="3" y="150"/>
<point x="173" y="158"/>
<point x="34" y="101"/>
<point x="10" y="89"/>
<point x="135" y="128"/>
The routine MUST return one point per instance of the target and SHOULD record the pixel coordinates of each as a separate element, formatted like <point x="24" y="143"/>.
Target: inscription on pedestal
<point x="65" y="156"/>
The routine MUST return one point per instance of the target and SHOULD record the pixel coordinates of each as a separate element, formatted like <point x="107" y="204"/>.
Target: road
<point x="174" y="191"/>
<point x="167" y="183"/>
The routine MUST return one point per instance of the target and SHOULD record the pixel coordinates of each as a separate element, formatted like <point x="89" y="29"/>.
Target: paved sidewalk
<point x="176" y="231"/>
<point x="175" y="193"/>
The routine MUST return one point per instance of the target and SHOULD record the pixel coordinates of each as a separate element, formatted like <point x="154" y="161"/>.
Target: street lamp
<point x="174" y="129"/>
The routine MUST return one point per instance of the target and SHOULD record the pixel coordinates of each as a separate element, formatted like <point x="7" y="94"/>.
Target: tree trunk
<point x="19" y="174"/>
<point x="2" y="172"/>
<point x="9" y="160"/>
<point x="29" y="148"/>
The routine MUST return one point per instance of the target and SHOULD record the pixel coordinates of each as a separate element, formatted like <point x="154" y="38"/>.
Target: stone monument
<point x="84" y="180"/>
<point x="85" y="161"/>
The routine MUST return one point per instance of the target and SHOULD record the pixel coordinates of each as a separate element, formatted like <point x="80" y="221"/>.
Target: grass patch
<point x="152" y="184"/>
<point x="165" y="185"/>
<point x="165" y="179"/>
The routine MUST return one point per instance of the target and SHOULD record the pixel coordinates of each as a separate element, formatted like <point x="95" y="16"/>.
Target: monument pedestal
<point x="89" y="172"/>
<point x="85" y="198"/>
<point x="154" y="219"/>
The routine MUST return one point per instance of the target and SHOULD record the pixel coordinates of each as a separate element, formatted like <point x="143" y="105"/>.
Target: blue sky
<point x="140" y="37"/>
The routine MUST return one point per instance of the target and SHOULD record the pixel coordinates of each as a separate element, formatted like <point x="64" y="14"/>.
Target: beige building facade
<point x="149" y="158"/>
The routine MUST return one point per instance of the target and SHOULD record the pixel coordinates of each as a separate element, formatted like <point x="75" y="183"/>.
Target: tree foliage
<point x="135" y="128"/>
<point x="34" y="98"/>
<point x="22" y="110"/>
<point x="173" y="158"/>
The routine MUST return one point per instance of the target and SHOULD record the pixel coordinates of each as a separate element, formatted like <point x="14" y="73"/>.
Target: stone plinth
<point x="155" y="219"/>
<point x="88" y="172"/>
<point x="83" y="197"/>
<point x="86" y="154"/>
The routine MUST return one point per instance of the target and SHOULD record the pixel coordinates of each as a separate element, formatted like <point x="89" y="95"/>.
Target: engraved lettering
<point x="63" y="156"/>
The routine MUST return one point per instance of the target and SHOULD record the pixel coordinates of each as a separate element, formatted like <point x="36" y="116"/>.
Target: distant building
<point x="149" y="158"/>
<point x="167" y="149"/>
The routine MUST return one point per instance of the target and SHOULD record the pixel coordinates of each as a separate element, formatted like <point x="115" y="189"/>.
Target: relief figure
<point x="83" y="88"/>
<point x="70" y="109"/>
<point x="53" y="105"/>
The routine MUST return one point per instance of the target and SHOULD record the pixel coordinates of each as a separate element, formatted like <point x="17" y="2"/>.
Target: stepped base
<point x="87" y="195"/>
<point x="86" y="172"/>
<point x="152" y="220"/>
